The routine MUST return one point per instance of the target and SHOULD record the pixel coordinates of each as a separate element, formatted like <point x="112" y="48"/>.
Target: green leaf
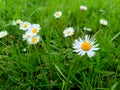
<point x="107" y="73"/>
<point x="113" y="87"/>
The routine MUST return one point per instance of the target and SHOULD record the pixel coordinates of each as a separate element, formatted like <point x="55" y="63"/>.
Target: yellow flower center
<point x="3" y="35"/>
<point x="34" y="30"/>
<point x="25" y="25"/>
<point x="103" y="22"/>
<point x="34" y="39"/>
<point x="86" y="46"/>
<point x="58" y="14"/>
<point x="17" y="22"/>
<point x="27" y="35"/>
<point x="68" y="32"/>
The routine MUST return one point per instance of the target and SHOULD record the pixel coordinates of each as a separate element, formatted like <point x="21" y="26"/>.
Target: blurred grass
<point x="60" y="68"/>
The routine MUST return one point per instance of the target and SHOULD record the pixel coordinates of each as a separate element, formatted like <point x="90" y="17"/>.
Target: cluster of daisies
<point x="82" y="45"/>
<point x="85" y="45"/>
<point x="31" y="31"/>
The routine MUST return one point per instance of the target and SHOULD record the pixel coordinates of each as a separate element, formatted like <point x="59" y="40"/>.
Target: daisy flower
<point x="35" y="28"/>
<point x="103" y="22"/>
<point x="58" y="14"/>
<point x="24" y="49"/>
<point x="33" y="39"/>
<point x="68" y="32"/>
<point x="27" y="35"/>
<point x="85" y="45"/>
<point x="87" y="29"/>
<point x="84" y="8"/>
<point x="16" y="22"/>
<point x="3" y="34"/>
<point x="25" y="26"/>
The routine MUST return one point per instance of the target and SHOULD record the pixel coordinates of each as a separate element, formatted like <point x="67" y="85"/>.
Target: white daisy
<point x="84" y="8"/>
<point x="103" y="22"/>
<point x="16" y="22"/>
<point x="27" y="35"/>
<point x="3" y="34"/>
<point x="68" y="31"/>
<point x="58" y="14"/>
<point x="25" y="26"/>
<point x="35" y="28"/>
<point x="87" y="29"/>
<point x="33" y="39"/>
<point x="85" y="45"/>
<point x="24" y="49"/>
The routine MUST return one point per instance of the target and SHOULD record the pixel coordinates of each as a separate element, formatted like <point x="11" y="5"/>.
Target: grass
<point x="51" y="64"/>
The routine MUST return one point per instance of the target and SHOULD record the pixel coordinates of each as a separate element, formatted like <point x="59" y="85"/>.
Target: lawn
<point x="55" y="59"/>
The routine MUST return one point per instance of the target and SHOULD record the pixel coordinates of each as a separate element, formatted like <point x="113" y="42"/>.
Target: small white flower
<point x="3" y="34"/>
<point x="33" y="39"/>
<point x="84" y="8"/>
<point x="25" y="26"/>
<point x="19" y="21"/>
<point x="24" y="49"/>
<point x="58" y="14"/>
<point x="68" y="31"/>
<point x="16" y="22"/>
<point x="27" y="35"/>
<point x="87" y="29"/>
<point x="35" y="28"/>
<point x="103" y="22"/>
<point x="85" y="45"/>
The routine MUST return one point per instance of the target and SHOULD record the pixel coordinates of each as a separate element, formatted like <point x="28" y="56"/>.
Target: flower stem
<point x="69" y="74"/>
<point x="43" y="44"/>
<point x="37" y="54"/>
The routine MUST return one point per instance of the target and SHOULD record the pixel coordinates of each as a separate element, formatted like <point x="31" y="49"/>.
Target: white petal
<point x="76" y="50"/>
<point x="90" y="53"/>
<point x="81" y="53"/>
<point x="93" y="48"/>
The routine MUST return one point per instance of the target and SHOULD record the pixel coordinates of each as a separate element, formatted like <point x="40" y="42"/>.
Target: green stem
<point x="37" y="55"/>
<point x="66" y="43"/>
<point x="43" y="44"/>
<point x="91" y="65"/>
<point x="3" y="44"/>
<point x="69" y="74"/>
<point x="100" y="29"/>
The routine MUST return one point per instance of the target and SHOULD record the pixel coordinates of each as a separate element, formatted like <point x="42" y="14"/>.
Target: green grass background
<point x="52" y="64"/>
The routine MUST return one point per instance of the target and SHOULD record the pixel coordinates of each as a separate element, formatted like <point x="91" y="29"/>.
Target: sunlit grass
<point x="51" y="63"/>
